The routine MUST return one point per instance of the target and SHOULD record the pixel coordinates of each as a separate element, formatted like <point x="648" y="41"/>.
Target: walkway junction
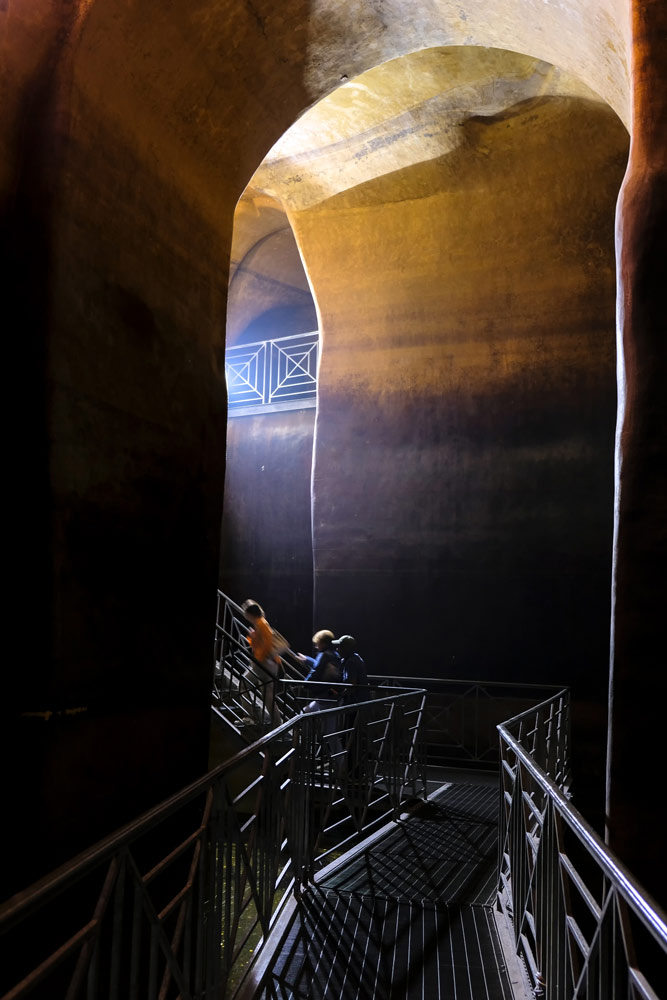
<point x="422" y="843"/>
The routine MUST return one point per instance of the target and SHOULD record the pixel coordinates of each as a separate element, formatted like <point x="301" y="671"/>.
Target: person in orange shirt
<point x="262" y="642"/>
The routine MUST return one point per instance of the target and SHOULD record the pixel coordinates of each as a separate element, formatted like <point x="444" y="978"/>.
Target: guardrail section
<point x="282" y="370"/>
<point x="583" y="926"/>
<point x="175" y="904"/>
<point x="461" y="717"/>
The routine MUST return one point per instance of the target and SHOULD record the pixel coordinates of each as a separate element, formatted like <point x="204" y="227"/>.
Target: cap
<point x="346" y="643"/>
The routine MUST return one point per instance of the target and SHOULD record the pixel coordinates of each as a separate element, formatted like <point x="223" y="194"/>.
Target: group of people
<point x="337" y="661"/>
<point x="335" y="664"/>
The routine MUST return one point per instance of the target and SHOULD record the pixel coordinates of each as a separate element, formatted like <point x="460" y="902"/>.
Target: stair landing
<point x="411" y="916"/>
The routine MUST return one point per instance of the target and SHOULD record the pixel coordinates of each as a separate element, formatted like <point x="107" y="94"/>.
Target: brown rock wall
<point x="467" y="401"/>
<point x="130" y="323"/>
<point x="127" y="133"/>
<point x="590" y="40"/>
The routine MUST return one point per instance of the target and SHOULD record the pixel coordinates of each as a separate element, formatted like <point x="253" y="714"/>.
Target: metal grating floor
<point x="408" y="918"/>
<point x="445" y="854"/>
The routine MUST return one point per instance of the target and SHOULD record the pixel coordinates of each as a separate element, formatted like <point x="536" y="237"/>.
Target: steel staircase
<point x="240" y="683"/>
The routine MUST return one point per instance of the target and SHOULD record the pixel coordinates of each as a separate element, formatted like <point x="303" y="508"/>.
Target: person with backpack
<point x="355" y="718"/>
<point x="325" y="667"/>
<point x="354" y="671"/>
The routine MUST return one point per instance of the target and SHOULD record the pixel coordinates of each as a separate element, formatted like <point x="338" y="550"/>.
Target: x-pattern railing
<point x="172" y="905"/>
<point x="279" y="370"/>
<point x="583" y="926"/>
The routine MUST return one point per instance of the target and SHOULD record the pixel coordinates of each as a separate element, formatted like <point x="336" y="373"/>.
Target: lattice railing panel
<point x="283" y="370"/>
<point x="461" y="716"/>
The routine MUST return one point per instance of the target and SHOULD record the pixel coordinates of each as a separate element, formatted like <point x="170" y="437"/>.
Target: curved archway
<point x="460" y="246"/>
<point x="153" y="120"/>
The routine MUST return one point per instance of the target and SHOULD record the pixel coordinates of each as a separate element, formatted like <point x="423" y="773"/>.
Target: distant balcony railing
<point x="273" y="372"/>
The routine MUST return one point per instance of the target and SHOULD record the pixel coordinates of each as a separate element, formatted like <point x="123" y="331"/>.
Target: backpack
<point x="333" y="669"/>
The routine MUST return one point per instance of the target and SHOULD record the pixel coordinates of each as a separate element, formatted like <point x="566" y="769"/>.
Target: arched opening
<point x="459" y="240"/>
<point x="271" y="364"/>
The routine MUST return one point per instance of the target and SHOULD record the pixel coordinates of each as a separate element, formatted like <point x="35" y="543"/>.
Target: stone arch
<point x="156" y="115"/>
<point x="369" y="145"/>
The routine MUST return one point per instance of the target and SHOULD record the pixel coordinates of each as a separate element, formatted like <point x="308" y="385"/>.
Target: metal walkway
<point x="255" y="882"/>
<point x="408" y="917"/>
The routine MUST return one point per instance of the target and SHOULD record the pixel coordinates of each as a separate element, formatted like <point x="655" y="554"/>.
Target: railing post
<point x="582" y="945"/>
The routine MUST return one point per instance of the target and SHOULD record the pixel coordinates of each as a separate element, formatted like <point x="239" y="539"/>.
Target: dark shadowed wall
<point x="267" y="549"/>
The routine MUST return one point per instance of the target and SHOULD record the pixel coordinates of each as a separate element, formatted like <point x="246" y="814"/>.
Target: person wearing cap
<point x="354" y="671"/>
<point x="359" y="745"/>
<point x="325" y="667"/>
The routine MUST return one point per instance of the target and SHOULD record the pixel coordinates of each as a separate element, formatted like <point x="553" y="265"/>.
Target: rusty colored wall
<point x="463" y="472"/>
<point x="124" y="228"/>
<point x="134" y="411"/>
<point x="122" y="171"/>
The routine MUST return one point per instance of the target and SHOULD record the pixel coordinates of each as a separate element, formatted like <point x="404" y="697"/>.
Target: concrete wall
<point x="268" y="294"/>
<point x="266" y="550"/>
<point x="464" y="461"/>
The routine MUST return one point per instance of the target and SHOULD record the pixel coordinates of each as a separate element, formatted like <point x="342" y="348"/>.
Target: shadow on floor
<point x="409" y="917"/>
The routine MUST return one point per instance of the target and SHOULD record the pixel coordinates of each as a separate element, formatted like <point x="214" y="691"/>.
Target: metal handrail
<point x="202" y="877"/>
<point x="227" y="607"/>
<point x="240" y="682"/>
<point x="634" y="894"/>
<point x="462" y="716"/>
<point x="175" y="902"/>
<point x="471" y="682"/>
<point x="576" y="922"/>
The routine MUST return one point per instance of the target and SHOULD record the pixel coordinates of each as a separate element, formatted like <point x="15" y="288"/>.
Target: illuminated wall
<point x="464" y="462"/>
<point x="459" y="242"/>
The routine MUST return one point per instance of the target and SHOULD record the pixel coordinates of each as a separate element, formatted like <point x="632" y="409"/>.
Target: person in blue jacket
<point x="354" y="671"/>
<point x="325" y="667"/>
